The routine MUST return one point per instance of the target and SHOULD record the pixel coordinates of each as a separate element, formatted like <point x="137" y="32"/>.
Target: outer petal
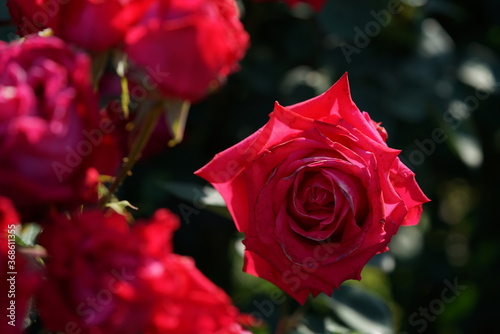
<point x="403" y="181"/>
<point x="224" y="169"/>
<point x="336" y="104"/>
<point x="257" y="266"/>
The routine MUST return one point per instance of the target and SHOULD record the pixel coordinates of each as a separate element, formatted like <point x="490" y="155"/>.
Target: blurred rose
<point x="92" y="281"/>
<point x="103" y="277"/>
<point x="187" y="302"/>
<point x="92" y="24"/>
<point x="186" y="48"/>
<point x="317" y="191"/>
<point x="16" y="289"/>
<point x="50" y="127"/>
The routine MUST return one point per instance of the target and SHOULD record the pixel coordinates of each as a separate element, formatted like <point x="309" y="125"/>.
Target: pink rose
<point x="50" y="127"/>
<point x="91" y="24"/>
<point x="186" y="301"/>
<point x="92" y="283"/>
<point x="187" y="46"/>
<point x="317" y="192"/>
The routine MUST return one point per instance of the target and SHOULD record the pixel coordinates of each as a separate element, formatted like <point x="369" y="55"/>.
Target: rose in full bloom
<point x="51" y="131"/>
<point x="92" y="24"/>
<point x="186" y="300"/>
<point x="16" y="289"/>
<point x="92" y="283"/>
<point x="316" y="4"/>
<point x="317" y="192"/>
<point x="187" y="47"/>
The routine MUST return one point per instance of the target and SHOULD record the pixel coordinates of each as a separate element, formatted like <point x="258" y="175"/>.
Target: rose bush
<point x="91" y="24"/>
<point x="51" y="133"/>
<point x="187" y="47"/>
<point x="317" y="192"/>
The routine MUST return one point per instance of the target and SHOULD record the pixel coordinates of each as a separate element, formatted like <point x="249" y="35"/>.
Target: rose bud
<point x="93" y="25"/>
<point x="187" y="48"/>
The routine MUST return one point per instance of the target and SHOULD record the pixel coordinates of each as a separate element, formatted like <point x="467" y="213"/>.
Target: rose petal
<point x="403" y="180"/>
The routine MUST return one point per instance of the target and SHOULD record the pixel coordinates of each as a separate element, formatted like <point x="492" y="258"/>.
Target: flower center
<point x="323" y="201"/>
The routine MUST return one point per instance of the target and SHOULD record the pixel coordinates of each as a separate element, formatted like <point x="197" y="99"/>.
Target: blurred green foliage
<point x="431" y="75"/>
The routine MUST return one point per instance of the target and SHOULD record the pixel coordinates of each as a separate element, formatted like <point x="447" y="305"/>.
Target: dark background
<point x="433" y="69"/>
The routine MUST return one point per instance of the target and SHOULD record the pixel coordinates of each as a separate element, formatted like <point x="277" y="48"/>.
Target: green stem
<point x="144" y="133"/>
<point x="288" y="321"/>
<point x="99" y="62"/>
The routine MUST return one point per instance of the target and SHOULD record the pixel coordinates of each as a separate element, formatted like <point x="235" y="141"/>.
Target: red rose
<point x="187" y="47"/>
<point x="186" y="301"/>
<point x="50" y="127"/>
<point x="317" y="192"/>
<point x="316" y="4"/>
<point x="28" y="16"/>
<point x="19" y="275"/>
<point x="92" y="282"/>
<point x="94" y="25"/>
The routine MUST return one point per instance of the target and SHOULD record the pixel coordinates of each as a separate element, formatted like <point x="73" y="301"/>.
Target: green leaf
<point x="28" y="234"/>
<point x="20" y="241"/>
<point x="313" y="323"/>
<point x="102" y="190"/>
<point x="302" y="329"/>
<point x="106" y="178"/>
<point x="334" y="328"/>
<point x="176" y="116"/>
<point x="361" y="311"/>
<point x="200" y="196"/>
<point x="99" y="62"/>
<point x="120" y="207"/>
